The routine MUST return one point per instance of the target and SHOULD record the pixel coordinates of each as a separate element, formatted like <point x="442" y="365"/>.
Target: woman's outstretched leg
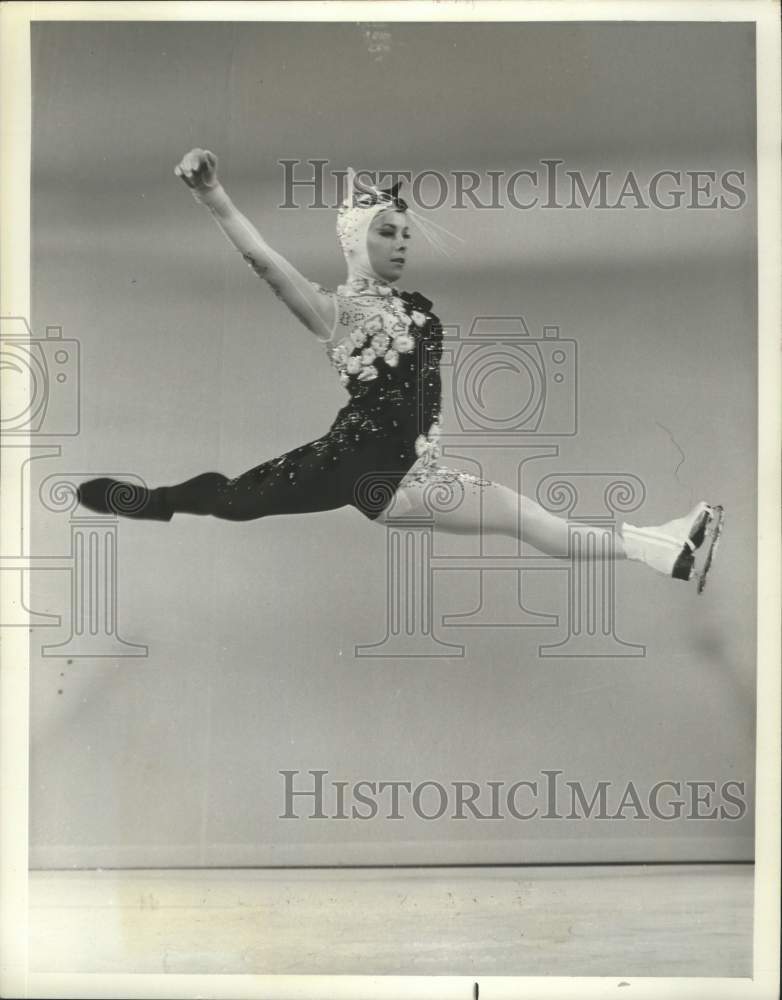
<point x="300" y="482"/>
<point x="204" y="494"/>
<point x="281" y="486"/>
<point x="490" y="508"/>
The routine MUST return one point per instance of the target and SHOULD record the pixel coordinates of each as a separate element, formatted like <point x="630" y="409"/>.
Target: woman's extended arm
<point x="314" y="307"/>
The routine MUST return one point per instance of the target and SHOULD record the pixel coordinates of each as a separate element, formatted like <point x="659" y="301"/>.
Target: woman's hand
<point x="313" y="307"/>
<point x="198" y="169"/>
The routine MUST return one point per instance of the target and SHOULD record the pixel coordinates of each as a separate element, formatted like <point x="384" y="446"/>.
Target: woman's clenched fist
<point x="198" y="169"/>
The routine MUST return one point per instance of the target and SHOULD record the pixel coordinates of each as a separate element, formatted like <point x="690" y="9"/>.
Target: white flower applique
<point x="374" y="325"/>
<point x="403" y="343"/>
<point x="340" y="355"/>
<point x="368" y="370"/>
<point x="427" y="446"/>
<point x="383" y="337"/>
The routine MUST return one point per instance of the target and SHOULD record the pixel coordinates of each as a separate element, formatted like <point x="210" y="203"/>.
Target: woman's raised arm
<point x="312" y="305"/>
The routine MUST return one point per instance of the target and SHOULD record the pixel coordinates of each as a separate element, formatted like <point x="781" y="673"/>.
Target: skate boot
<point x="112" y="496"/>
<point x="683" y="548"/>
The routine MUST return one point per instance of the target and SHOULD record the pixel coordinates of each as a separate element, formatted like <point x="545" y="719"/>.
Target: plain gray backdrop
<point x="190" y="364"/>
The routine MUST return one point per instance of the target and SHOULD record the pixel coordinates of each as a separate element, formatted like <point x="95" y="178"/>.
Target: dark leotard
<point x="386" y="348"/>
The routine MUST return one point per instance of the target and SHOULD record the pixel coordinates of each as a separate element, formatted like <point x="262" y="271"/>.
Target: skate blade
<point x="709" y="547"/>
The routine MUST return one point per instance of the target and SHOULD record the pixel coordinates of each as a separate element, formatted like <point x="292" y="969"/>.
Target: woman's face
<point x="387" y="241"/>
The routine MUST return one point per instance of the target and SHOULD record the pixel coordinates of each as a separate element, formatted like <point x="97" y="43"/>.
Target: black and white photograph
<point x="391" y="499"/>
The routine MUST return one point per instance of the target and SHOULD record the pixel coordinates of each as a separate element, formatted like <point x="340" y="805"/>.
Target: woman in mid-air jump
<point x="380" y="454"/>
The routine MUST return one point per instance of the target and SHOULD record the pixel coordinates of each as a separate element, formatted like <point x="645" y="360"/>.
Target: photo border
<point x="15" y="88"/>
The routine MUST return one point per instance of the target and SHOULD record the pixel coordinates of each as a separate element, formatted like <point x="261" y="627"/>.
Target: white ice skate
<point x="683" y="548"/>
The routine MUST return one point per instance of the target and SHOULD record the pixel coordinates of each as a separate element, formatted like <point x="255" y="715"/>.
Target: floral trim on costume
<point x="378" y="341"/>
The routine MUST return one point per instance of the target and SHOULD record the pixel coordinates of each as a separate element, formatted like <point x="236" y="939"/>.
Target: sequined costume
<point x="386" y="349"/>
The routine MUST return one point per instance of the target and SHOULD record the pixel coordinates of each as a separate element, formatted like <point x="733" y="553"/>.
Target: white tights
<point x="493" y="509"/>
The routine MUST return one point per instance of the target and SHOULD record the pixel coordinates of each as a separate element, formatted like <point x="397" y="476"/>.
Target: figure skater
<point x="381" y="453"/>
